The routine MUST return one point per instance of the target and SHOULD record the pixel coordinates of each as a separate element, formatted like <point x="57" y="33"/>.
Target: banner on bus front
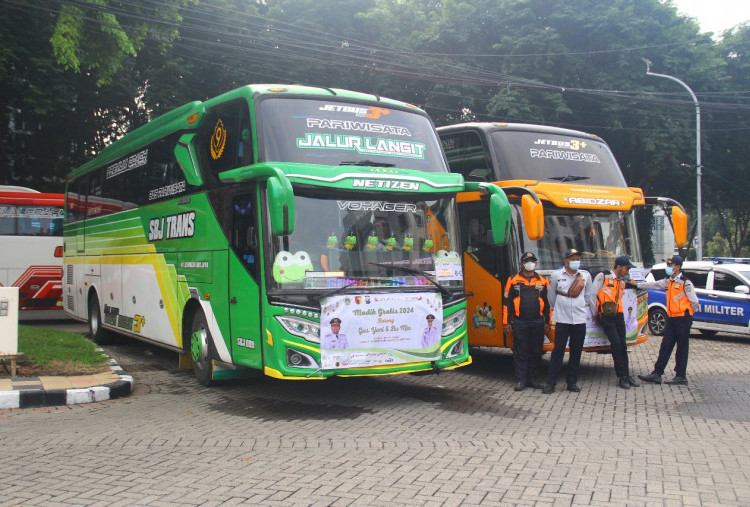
<point x="377" y="329"/>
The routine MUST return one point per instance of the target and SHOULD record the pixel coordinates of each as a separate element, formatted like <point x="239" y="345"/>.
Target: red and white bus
<point x="32" y="249"/>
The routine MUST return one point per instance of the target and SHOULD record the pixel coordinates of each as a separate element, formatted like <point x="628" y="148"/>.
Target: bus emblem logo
<point x="218" y="140"/>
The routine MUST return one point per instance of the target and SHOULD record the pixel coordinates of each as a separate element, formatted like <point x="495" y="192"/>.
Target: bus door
<point x="484" y="266"/>
<point x="244" y="280"/>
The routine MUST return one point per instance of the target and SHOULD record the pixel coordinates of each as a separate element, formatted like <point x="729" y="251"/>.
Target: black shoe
<point x="533" y="385"/>
<point x="573" y="388"/>
<point x="548" y="389"/>
<point x="677" y="381"/>
<point x="520" y="386"/>
<point x="653" y="378"/>
<point x="633" y="382"/>
<point x="623" y="383"/>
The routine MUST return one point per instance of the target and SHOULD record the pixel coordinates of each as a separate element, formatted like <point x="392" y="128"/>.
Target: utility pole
<point x="698" y="166"/>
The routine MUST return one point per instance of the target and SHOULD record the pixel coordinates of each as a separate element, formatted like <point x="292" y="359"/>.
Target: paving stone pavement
<point x="463" y="437"/>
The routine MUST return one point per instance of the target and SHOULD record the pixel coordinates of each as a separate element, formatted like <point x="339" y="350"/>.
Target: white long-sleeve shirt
<point x="567" y="310"/>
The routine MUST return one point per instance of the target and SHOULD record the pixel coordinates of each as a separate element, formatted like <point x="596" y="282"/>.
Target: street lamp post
<point x="698" y="166"/>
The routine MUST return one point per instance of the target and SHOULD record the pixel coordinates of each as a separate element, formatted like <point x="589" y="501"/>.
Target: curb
<point x="29" y="398"/>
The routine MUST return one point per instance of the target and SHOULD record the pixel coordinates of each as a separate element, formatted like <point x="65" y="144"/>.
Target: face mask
<point x="574" y="265"/>
<point x="669" y="271"/>
<point x="529" y="266"/>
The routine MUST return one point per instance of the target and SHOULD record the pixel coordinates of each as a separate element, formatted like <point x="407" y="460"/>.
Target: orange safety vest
<point x="534" y="283"/>
<point x="677" y="300"/>
<point x="611" y="291"/>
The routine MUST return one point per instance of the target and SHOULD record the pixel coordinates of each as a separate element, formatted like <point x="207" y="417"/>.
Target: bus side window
<point x="226" y="138"/>
<point x="467" y="155"/>
<point x="244" y="232"/>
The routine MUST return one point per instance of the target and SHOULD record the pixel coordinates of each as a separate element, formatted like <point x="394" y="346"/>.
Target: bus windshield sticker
<point x="573" y="144"/>
<point x="361" y="126"/>
<point x="380" y="329"/>
<point x="400" y="185"/>
<point x="291" y="267"/>
<point x="127" y="164"/>
<point x="395" y="207"/>
<point x="564" y="155"/>
<point x="218" y="140"/>
<point x="359" y="111"/>
<point x="448" y="266"/>
<point x="363" y="145"/>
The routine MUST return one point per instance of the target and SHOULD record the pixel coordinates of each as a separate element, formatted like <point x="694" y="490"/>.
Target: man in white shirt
<point x="430" y="334"/>
<point x="335" y="339"/>
<point x="570" y="303"/>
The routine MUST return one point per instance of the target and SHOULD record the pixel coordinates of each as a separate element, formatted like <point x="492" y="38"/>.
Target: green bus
<point x="296" y="231"/>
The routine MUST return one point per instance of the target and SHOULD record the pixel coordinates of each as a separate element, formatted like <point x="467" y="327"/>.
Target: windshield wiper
<point x="569" y="177"/>
<point x="370" y="163"/>
<point x="416" y="272"/>
<point x="337" y="290"/>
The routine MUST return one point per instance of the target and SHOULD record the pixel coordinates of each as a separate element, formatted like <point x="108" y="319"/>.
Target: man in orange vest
<point x="682" y="303"/>
<point x="526" y="313"/>
<point x="609" y="311"/>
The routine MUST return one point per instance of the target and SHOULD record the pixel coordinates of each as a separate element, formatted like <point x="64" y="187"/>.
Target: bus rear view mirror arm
<point x="500" y="212"/>
<point x="531" y="209"/>
<point x="678" y="217"/>
<point x="279" y="191"/>
<point x="185" y="154"/>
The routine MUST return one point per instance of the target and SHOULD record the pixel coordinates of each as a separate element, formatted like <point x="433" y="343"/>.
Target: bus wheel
<point x="200" y="350"/>
<point x="97" y="333"/>
<point x="657" y="321"/>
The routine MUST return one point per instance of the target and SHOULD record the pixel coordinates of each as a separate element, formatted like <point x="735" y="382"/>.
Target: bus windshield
<point x="601" y="236"/>
<point x="367" y="243"/>
<point x="549" y="157"/>
<point x="333" y="133"/>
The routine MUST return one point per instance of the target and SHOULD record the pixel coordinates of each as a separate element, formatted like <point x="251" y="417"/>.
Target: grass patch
<point x="52" y="352"/>
<point x="42" y="346"/>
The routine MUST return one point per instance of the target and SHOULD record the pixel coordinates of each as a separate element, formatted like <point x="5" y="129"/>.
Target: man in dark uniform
<point x="609" y="289"/>
<point x="682" y="303"/>
<point x="526" y="313"/>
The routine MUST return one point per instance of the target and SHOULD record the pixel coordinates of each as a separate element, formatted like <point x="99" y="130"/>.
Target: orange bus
<point x="566" y="191"/>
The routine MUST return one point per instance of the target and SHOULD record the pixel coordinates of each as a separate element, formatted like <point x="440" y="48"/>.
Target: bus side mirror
<point x="533" y="217"/>
<point x="500" y="217"/>
<point x="679" y="225"/>
<point x="280" y="206"/>
<point x="186" y="156"/>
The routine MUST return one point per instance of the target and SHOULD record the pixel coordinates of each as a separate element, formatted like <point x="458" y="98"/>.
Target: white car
<point x="723" y="289"/>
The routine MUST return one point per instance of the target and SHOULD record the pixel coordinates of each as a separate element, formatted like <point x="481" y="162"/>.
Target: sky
<point x="715" y="15"/>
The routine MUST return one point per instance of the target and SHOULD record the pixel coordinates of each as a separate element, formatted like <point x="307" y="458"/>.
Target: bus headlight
<point x="303" y="328"/>
<point x="297" y="359"/>
<point x="457" y="349"/>
<point x="450" y="324"/>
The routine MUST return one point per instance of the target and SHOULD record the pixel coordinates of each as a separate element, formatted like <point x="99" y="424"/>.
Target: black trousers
<point x="677" y="333"/>
<point x="614" y="328"/>
<point x="577" y="334"/>
<point x="528" y="346"/>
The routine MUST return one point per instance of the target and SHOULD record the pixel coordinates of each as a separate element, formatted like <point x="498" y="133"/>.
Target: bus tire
<point x="200" y="349"/>
<point x="657" y="321"/>
<point x="98" y="334"/>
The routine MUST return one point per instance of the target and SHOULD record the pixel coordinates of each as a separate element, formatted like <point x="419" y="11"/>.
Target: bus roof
<point x="26" y="196"/>
<point x="521" y="127"/>
<point x="185" y="117"/>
